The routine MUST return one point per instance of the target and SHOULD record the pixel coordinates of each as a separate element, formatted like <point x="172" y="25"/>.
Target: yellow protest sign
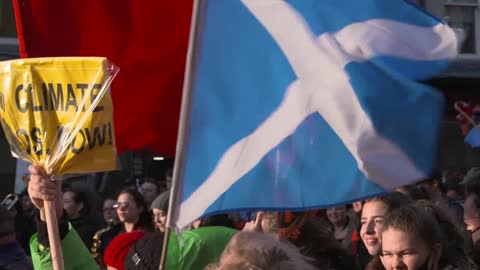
<point x="57" y="112"/>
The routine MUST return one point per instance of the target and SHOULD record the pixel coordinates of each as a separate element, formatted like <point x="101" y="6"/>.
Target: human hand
<point x="254" y="225"/>
<point x="41" y="188"/>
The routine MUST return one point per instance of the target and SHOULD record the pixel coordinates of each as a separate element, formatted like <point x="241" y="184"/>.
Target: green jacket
<point x="75" y="254"/>
<point x="200" y="247"/>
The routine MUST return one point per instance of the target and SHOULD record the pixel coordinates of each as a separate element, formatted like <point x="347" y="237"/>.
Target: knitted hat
<point x="145" y="253"/>
<point x="161" y="202"/>
<point x="118" y="248"/>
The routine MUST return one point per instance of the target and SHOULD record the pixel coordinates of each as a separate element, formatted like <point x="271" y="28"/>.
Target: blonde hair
<point x="258" y="251"/>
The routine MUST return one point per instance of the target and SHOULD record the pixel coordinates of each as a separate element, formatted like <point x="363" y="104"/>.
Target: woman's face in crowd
<point x="70" y="206"/>
<point x="337" y="215"/>
<point x="26" y="203"/>
<point x="372" y="224"/>
<point x="401" y="250"/>
<point x="127" y="209"/>
<point x="149" y="191"/>
<point x="160" y="219"/>
<point x="109" y="212"/>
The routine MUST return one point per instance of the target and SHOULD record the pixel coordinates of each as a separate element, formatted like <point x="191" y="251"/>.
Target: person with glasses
<point x="102" y="237"/>
<point x="133" y="215"/>
<point x="80" y="211"/>
<point x="132" y="211"/>
<point x="109" y="212"/>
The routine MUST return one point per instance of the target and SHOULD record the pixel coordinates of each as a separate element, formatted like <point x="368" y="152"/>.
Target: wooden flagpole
<point x="183" y="125"/>
<point x="53" y="235"/>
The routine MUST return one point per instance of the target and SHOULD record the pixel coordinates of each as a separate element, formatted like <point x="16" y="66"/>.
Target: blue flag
<point x="473" y="137"/>
<point x="305" y="104"/>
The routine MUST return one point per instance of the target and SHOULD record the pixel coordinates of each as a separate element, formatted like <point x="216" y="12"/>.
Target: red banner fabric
<point x="147" y="39"/>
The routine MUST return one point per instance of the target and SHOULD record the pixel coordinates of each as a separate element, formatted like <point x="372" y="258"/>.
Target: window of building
<point x="464" y="14"/>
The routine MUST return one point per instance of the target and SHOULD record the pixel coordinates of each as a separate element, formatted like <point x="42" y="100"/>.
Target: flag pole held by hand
<point x="53" y="235"/>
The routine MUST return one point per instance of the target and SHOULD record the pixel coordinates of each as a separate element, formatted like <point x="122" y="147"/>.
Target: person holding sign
<point x="56" y="113"/>
<point x="76" y="255"/>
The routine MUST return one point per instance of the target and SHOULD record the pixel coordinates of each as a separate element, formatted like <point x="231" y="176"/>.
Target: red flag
<point x="147" y="39"/>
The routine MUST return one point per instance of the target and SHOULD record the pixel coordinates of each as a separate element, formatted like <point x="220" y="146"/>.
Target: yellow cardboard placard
<point x="57" y="112"/>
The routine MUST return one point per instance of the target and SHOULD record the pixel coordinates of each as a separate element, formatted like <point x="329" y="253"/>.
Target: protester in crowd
<point x="412" y="239"/>
<point x="168" y="178"/>
<point x="239" y="219"/>
<point x="159" y="209"/>
<point x="75" y="253"/>
<point x="217" y="220"/>
<point x="24" y="225"/>
<point x="454" y="241"/>
<point x="103" y="236"/>
<point x="355" y="212"/>
<point x="150" y="190"/>
<point x="12" y="255"/>
<point x="359" y="250"/>
<point x="414" y="192"/>
<point x="26" y="203"/>
<point x="436" y="191"/>
<point x="454" y="190"/>
<point x="132" y="215"/>
<point x="342" y="226"/>
<point x="118" y="249"/>
<point x="132" y="211"/>
<point x="80" y="212"/>
<point x="109" y="213"/>
<point x="472" y="223"/>
<point x="251" y="250"/>
<point x="223" y="220"/>
<point x="308" y="233"/>
<point x="197" y="249"/>
<point x="372" y="220"/>
<point x="471" y="181"/>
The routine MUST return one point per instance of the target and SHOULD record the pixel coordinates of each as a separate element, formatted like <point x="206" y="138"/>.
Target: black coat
<point x="86" y="227"/>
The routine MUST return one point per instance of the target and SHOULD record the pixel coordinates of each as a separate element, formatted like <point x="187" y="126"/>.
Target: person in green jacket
<point x="199" y="248"/>
<point x="75" y="254"/>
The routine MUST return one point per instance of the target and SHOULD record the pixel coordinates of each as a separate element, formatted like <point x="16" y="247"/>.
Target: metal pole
<point x="183" y="125"/>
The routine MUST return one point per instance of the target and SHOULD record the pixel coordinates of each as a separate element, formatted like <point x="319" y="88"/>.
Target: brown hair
<point x="454" y="240"/>
<point x="145" y="219"/>
<point x="393" y="200"/>
<point x="416" y="221"/>
<point x="251" y="250"/>
<point x="311" y="236"/>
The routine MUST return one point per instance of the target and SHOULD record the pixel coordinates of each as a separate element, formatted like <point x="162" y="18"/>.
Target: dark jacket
<point x="13" y="257"/>
<point x="76" y="256"/>
<point x="24" y="229"/>
<point x="86" y="227"/>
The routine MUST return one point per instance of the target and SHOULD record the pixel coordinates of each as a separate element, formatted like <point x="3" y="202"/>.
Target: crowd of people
<point x="432" y="225"/>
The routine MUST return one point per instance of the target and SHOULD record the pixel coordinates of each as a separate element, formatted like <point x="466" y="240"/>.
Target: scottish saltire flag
<point x="305" y="104"/>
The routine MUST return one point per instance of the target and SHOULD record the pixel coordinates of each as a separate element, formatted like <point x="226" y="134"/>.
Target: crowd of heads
<point x="433" y="225"/>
